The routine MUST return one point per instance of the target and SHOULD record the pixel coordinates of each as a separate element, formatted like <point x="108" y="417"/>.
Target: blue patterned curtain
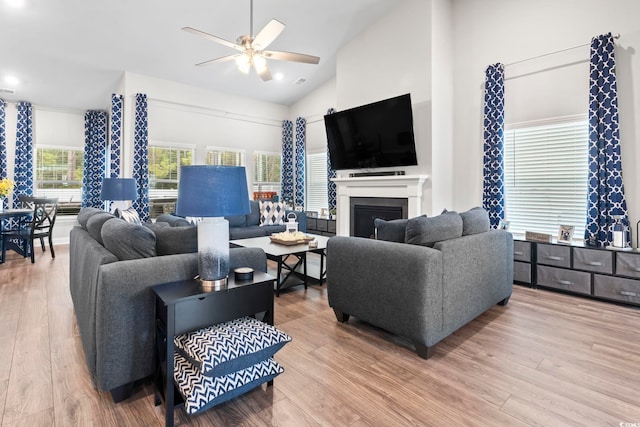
<point x="331" y="173"/>
<point x="3" y="149"/>
<point x="286" y="174"/>
<point x="23" y="168"/>
<point x="115" y="135"/>
<point x="493" y="170"/>
<point x="141" y="157"/>
<point x="301" y="133"/>
<point x="606" y="190"/>
<point x="95" y="158"/>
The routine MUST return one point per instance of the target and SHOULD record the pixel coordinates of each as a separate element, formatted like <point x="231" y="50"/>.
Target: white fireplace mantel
<point x="400" y="186"/>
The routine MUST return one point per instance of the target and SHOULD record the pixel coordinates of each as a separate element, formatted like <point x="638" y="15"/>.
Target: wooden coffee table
<point x="281" y="253"/>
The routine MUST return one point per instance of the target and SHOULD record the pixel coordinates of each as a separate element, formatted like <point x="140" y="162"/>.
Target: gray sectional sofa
<point x="436" y="275"/>
<point x="244" y="226"/>
<point x="113" y="265"/>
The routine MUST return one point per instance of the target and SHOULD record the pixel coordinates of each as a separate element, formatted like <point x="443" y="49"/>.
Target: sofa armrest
<point x="370" y="279"/>
<point x="301" y="219"/>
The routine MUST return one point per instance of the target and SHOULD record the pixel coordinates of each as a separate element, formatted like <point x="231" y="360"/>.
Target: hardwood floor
<point x="546" y="359"/>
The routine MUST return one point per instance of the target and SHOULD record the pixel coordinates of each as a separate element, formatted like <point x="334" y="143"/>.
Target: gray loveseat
<point x="113" y="265"/>
<point x="453" y="272"/>
<point x="244" y="226"/>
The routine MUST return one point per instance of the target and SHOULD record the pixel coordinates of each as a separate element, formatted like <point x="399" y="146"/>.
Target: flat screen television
<point x="372" y="136"/>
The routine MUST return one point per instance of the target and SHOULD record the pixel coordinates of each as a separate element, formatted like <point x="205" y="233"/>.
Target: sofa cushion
<point x="236" y="233"/>
<point x="95" y="223"/>
<point x="427" y="231"/>
<point x="85" y="214"/>
<point x="174" y="240"/>
<point x="392" y="230"/>
<point x="474" y="221"/>
<point x="173" y="220"/>
<point x="253" y="218"/>
<point x="130" y="215"/>
<point x="271" y="213"/>
<point x="237" y="221"/>
<point x="230" y="346"/>
<point x="202" y="392"/>
<point x="128" y="241"/>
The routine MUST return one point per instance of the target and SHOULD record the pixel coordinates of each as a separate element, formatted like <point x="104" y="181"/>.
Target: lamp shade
<point x="119" y="189"/>
<point x="212" y="191"/>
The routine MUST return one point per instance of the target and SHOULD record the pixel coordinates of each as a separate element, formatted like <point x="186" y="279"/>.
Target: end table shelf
<point x="185" y="306"/>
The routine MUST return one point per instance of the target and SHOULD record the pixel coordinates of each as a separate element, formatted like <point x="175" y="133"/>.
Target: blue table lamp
<point x="119" y="189"/>
<point x="212" y="192"/>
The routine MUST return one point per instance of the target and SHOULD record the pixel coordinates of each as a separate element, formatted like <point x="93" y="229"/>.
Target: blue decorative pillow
<point x="202" y="392"/>
<point x="230" y="346"/>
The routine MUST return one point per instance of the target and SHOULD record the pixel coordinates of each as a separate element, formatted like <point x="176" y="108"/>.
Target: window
<point x="266" y="172"/>
<point x="164" y="175"/>
<point x="546" y="175"/>
<point x="59" y="174"/>
<point x="224" y="157"/>
<point x="316" y="197"/>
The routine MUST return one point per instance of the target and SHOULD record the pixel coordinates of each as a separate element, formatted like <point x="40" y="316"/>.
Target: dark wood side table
<point x="185" y="306"/>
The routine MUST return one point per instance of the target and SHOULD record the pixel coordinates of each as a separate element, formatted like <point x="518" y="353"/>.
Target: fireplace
<point x="364" y="210"/>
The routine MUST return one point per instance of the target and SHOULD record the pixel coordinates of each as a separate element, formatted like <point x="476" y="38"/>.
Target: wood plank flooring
<point x="546" y="359"/>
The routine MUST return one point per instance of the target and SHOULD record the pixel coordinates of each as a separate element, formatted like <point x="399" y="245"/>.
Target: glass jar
<point x="619" y="232"/>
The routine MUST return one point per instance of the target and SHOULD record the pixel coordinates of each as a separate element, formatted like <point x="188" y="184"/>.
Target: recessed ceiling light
<point x="11" y="80"/>
<point x="278" y="76"/>
<point x="16" y="3"/>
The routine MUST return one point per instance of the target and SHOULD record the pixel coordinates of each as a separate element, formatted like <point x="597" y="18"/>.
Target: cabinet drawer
<point x="568" y="280"/>
<point x="521" y="251"/>
<point x="321" y="224"/>
<point x="522" y="272"/>
<point x="600" y="261"/>
<point x="557" y="255"/>
<point x="627" y="264"/>
<point x="331" y="227"/>
<point x="616" y="288"/>
<point x="312" y="224"/>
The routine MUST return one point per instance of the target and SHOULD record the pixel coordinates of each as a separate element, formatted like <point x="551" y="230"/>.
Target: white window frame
<point x="266" y="185"/>
<point x="169" y="193"/>
<point x="316" y="196"/>
<point x="241" y="152"/>
<point x="68" y="199"/>
<point x="546" y="186"/>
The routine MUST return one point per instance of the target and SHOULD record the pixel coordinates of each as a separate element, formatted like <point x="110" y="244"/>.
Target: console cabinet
<point x="321" y="226"/>
<point x="608" y="274"/>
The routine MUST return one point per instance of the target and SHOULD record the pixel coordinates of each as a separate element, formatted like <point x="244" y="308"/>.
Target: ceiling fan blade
<point x="268" y="34"/>
<point x="213" y="38"/>
<point x="218" y="60"/>
<point x="264" y="74"/>
<point x="290" y="56"/>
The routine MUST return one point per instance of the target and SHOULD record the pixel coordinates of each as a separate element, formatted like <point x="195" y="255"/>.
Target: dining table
<point x="9" y="219"/>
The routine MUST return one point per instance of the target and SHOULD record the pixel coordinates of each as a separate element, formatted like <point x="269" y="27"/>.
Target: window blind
<point x="546" y="176"/>
<point x="225" y="157"/>
<point x="316" y="194"/>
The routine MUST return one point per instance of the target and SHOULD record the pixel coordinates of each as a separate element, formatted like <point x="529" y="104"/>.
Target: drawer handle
<point x="555" y="258"/>
<point x="628" y="294"/>
<point x="595" y="263"/>
<point x="518" y="253"/>
<point x="564" y="282"/>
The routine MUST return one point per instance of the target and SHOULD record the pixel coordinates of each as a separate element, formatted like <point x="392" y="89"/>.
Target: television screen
<point x="372" y="136"/>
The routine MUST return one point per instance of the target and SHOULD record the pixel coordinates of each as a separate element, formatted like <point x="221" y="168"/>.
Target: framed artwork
<point x="503" y="225"/>
<point x="565" y="233"/>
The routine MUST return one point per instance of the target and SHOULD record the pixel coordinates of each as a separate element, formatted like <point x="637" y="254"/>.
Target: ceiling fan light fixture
<point x="244" y="63"/>
<point x="260" y="63"/>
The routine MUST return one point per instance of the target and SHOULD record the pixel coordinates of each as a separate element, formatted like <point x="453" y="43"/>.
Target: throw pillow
<point x="130" y="215"/>
<point x="174" y="240"/>
<point x="392" y="230"/>
<point x="230" y="346"/>
<point x="202" y="392"/>
<point x="95" y="223"/>
<point x="271" y="213"/>
<point x="128" y="241"/>
<point x="253" y="218"/>
<point x="427" y="231"/>
<point x="474" y="221"/>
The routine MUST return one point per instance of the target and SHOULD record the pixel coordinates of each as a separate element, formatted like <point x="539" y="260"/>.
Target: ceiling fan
<point x="252" y="49"/>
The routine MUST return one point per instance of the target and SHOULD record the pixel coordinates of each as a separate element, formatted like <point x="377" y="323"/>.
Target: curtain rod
<point x="615" y="36"/>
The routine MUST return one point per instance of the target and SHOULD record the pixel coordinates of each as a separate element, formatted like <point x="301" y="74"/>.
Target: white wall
<point x="490" y="31"/>
<point x="313" y="107"/>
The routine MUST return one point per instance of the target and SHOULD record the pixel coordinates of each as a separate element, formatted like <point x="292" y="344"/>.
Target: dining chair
<point x="43" y="219"/>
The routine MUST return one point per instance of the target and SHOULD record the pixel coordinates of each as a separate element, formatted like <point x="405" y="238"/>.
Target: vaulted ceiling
<point x="72" y="53"/>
